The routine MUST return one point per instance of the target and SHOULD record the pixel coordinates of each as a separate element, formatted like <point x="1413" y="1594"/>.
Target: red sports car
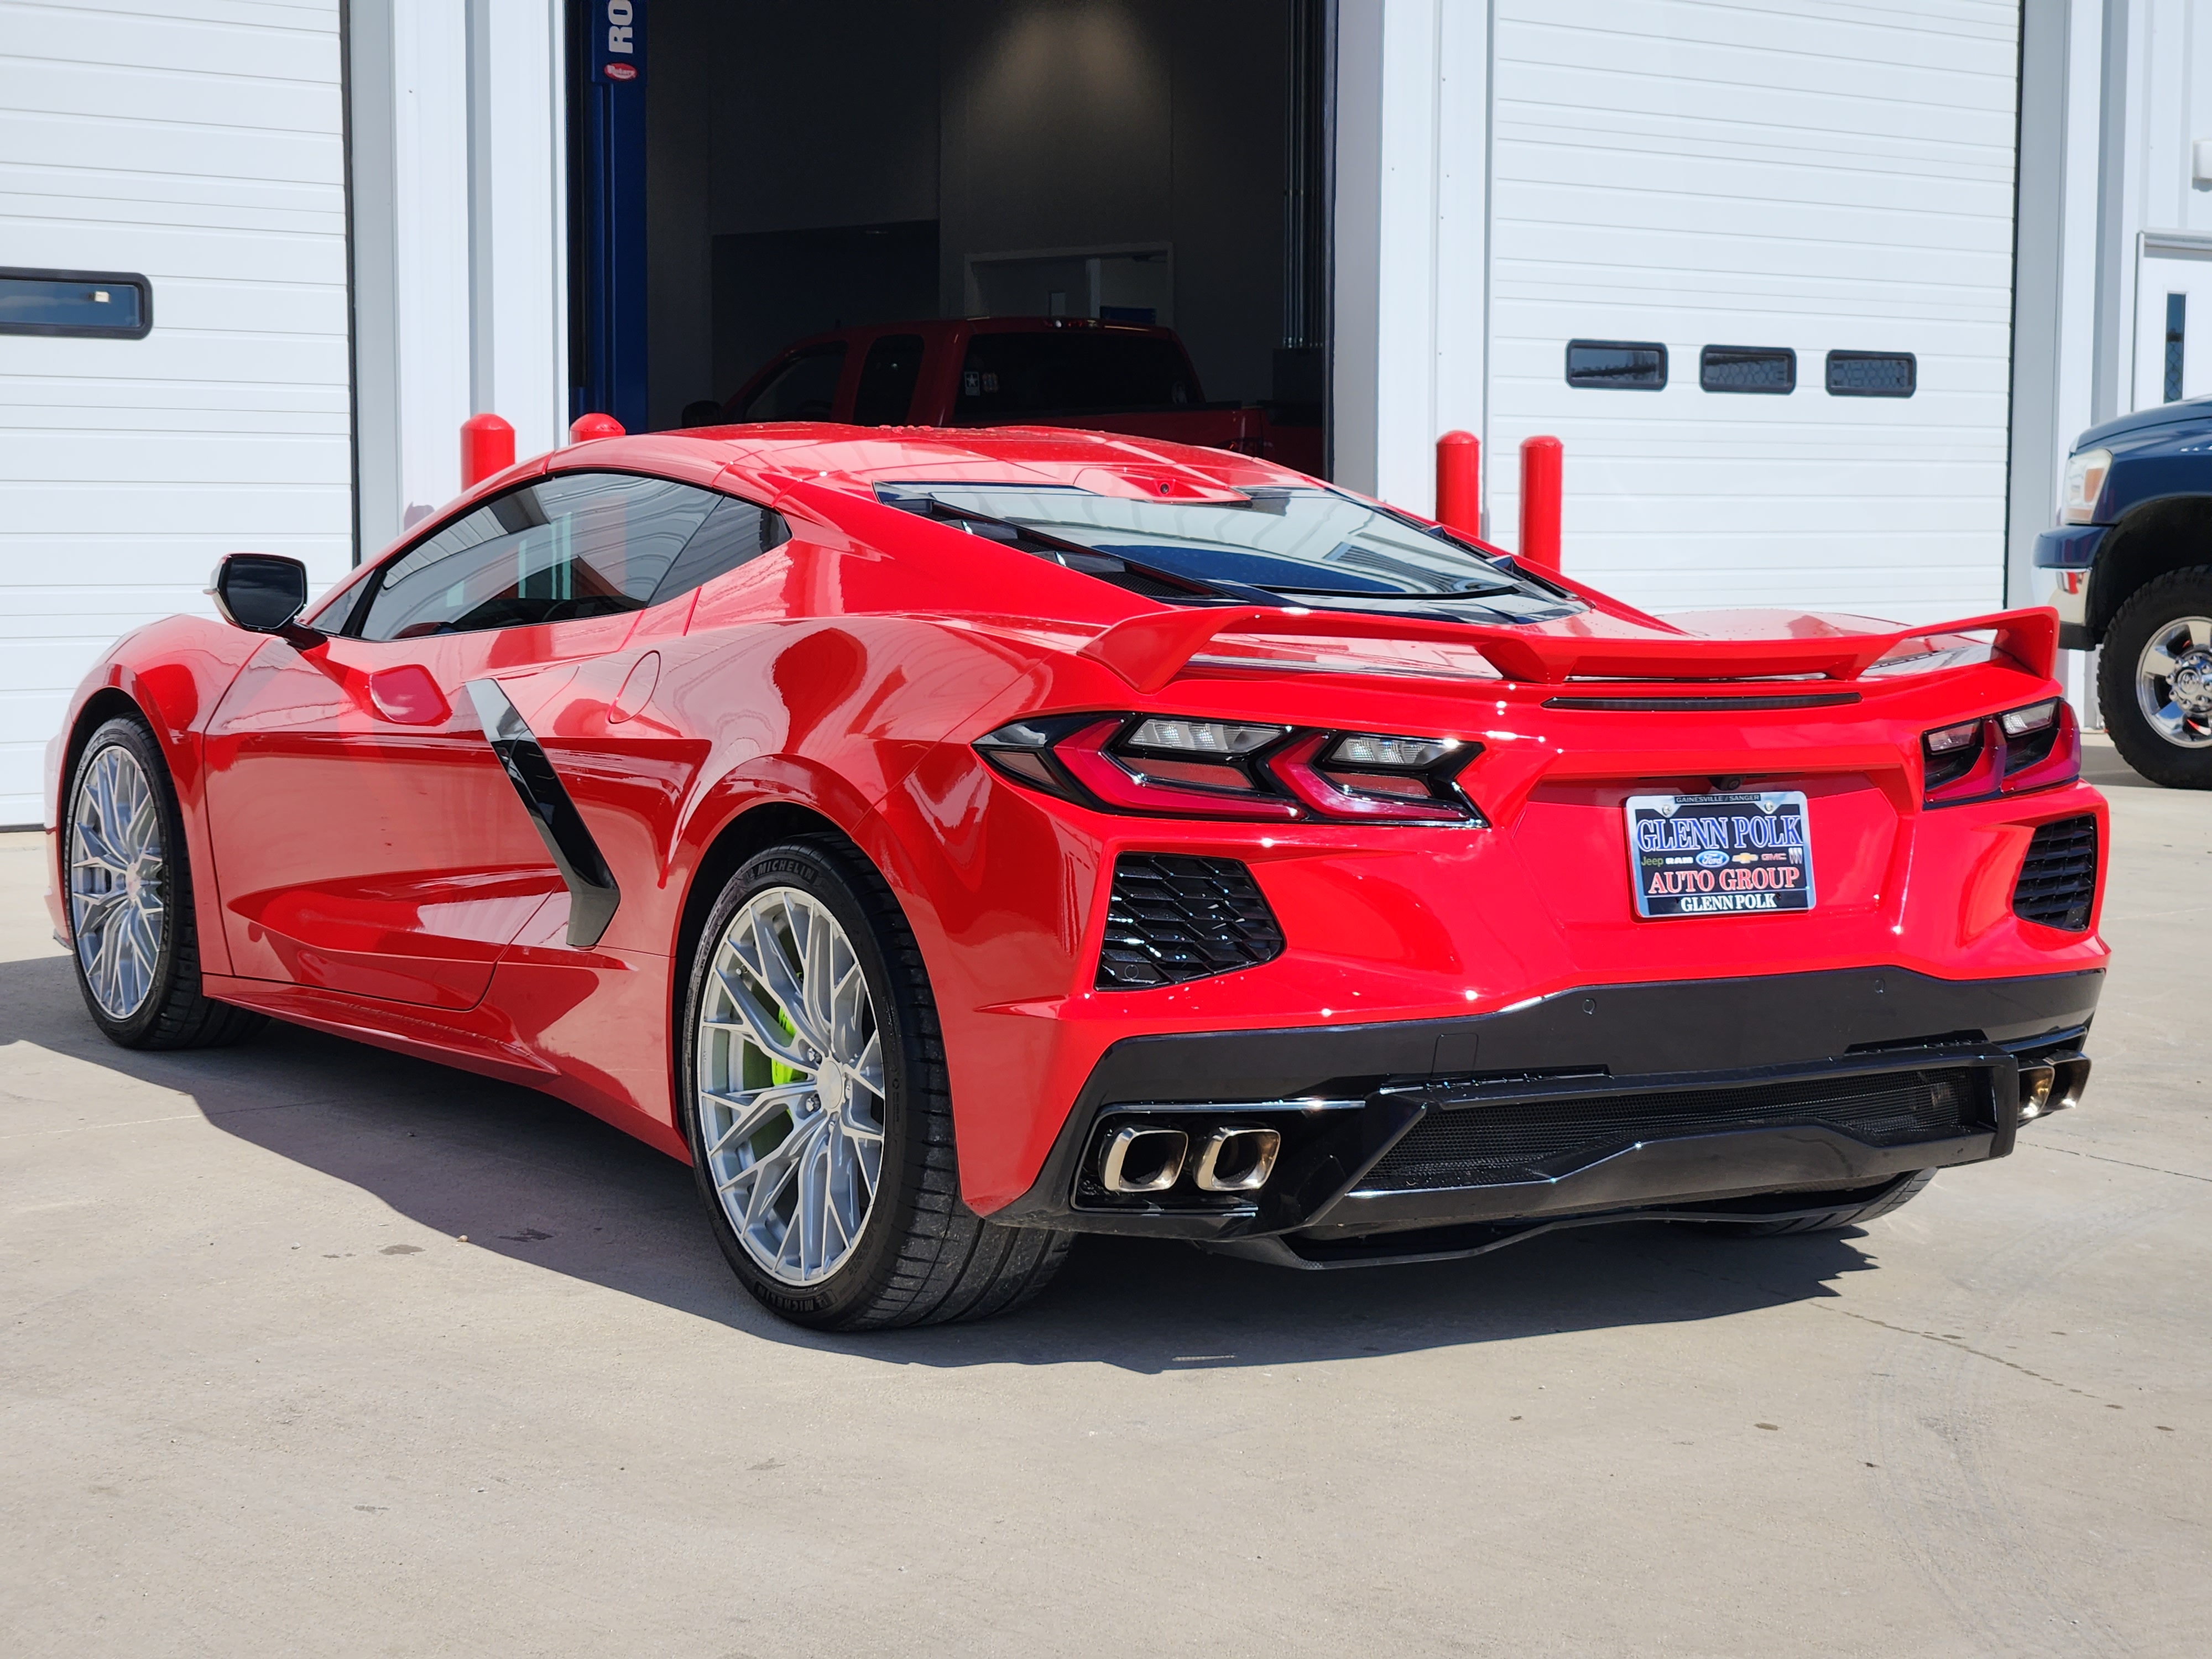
<point x="952" y="841"/>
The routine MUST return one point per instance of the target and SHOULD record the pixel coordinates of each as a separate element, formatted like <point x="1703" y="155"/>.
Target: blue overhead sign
<point x="618" y="31"/>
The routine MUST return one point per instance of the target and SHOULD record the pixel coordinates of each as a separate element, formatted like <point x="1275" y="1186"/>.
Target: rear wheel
<point x="1898" y="1193"/>
<point x="818" y="1111"/>
<point x="129" y="889"/>
<point x="2154" y="679"/>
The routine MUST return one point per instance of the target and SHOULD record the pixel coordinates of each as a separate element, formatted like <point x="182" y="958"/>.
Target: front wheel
<point x="818" y="1112"/>
<point x="2154" y="679"/>
<point x="129" y="884"/>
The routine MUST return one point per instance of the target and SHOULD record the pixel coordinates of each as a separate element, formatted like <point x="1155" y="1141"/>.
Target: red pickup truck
<point x="1011" y="371"/>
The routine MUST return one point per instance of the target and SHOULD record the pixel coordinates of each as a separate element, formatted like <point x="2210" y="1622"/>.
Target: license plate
<point x="1719" y="855"/>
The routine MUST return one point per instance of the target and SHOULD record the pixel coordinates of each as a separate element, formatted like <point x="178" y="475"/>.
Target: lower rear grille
<point x="1172" y="918"/>
<point x="2058" y="882"/>
<point x="1532" y="1140"/>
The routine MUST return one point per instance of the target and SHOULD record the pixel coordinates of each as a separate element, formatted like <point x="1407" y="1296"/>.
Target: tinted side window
<point x="735" y="532"/>
<point x="804" y="389"/>
<point x="1005" y="375"/>
<point x="582" y="544"/>
<point x="888" y="376"/>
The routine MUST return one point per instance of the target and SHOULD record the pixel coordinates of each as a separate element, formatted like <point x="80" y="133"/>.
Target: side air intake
<point x="2057" y="881"/>
<point x="1171" y="918"/>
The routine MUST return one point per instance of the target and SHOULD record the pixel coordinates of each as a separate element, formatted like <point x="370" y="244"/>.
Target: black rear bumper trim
<point x="1612" y="1040"/>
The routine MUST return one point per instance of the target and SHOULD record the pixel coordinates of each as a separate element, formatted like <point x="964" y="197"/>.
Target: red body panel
<point x="364" y="865"/>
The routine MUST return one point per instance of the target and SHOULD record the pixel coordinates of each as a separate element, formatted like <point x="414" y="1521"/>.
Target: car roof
<point x="858" y="458"/>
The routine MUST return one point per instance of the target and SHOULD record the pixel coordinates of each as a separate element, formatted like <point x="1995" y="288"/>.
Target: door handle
<point x="407" y="695"/>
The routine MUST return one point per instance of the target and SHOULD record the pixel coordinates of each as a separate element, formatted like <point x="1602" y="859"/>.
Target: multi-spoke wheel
<point x="2155" y="679"/>
<point x="129" y="889"/>
<point x="117" y="877"/>
<point x="791" y="1085"/>
<point x="815" y="1103"/>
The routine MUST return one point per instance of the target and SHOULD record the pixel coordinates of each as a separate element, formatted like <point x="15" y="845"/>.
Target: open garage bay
<point x="310" y="1349"/>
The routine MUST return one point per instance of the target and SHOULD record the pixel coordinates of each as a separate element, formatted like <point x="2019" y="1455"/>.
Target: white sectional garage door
<point x="196" y="143"/>
<point x="1811" y="176"/>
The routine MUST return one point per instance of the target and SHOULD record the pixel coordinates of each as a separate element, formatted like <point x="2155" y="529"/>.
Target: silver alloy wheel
<point x="118" y="880"/>
<point x="791" y="1085"/>
<point x="2174" y="682"/>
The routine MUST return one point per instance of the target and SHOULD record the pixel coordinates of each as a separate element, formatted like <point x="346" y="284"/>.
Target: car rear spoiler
<point x="1150" y="650"/>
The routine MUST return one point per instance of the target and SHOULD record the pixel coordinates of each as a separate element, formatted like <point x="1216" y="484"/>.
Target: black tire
<point x="922" y="1256"/>
<point x="1893" y="1196"/>
<point x="2149" y="611"/>
<point x="172" y="1014"/>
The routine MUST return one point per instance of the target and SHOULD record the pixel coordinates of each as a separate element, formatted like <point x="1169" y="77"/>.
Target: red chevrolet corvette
<point x="951" y="842"/>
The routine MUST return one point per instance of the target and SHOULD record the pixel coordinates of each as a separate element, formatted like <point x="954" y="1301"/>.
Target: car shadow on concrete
<point x="538" y="1182"/>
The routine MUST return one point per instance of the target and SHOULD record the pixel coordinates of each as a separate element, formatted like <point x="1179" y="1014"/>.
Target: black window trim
<point x="373" y="584"/>
<point x="1706" y="354"/>
<point x="1659" y="346"/>
<point x="85" y="330"/>
<point x="1911" y="359"/>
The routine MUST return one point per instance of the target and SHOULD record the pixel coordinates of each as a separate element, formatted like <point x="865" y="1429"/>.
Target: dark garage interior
<point x="863" y="161"/>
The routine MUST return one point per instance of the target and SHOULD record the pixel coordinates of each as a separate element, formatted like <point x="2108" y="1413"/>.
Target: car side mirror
<point x="262" y="593"/>
<point x="705" y="412"/>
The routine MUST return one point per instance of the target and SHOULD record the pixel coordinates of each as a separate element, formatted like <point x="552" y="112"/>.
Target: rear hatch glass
<point x="1303" y="547"/>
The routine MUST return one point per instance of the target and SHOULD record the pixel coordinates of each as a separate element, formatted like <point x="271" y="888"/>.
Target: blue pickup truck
<point x="2133" y="556"/>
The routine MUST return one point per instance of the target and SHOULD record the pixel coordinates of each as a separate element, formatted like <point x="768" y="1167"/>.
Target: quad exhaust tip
<point x="2052" y="1086"/>
<point x="1140" y="1158"/>
<point x="1238" y="1160"/>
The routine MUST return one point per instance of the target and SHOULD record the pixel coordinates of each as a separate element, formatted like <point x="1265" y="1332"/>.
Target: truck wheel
<point x="2154" y="679"/>
<point x="820" y="1117"/>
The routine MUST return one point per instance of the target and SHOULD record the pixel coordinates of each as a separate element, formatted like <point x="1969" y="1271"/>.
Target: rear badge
<point x="1714" y="855"/>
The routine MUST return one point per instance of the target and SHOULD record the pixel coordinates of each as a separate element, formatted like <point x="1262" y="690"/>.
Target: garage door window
<point x="90" y="304"/>
<point x="1617" y="365"/>
<point x="1872" y="373"/>
<point x="1770" y="370"/>
<point x="804" y="389"/>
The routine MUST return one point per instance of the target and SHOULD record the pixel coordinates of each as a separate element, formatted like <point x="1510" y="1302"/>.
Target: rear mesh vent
<point x="2058" y="882"/>
<point x="1533" y="1139"/>
<point x="1172" y="918"/>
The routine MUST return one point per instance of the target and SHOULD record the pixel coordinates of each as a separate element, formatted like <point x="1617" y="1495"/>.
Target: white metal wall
<point x="1811" y="173"/>
<point x="460" y="260"/>
<point x="1761" y="172"/>
<point x="198" y="143"/>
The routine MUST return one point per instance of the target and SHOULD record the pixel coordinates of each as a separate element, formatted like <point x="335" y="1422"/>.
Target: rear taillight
<point x="1175" y="768"/>
<point x="2031" y="747"/>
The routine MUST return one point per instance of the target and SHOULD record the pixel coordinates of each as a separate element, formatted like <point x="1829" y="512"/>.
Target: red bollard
<point x="585" y="427"/>
<point x="487" y="447"/>
<point x="1543" y="467"/>
<point x="1459" y="483"/>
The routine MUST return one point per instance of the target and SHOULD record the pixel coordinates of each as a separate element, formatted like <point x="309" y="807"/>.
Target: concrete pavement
<point x="257" y="1397"/>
